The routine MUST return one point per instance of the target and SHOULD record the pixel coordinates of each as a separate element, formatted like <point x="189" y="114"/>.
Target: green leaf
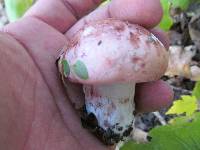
<point x="66" y="68"/>
<point x="105" y="2"/>
<point x="166" y="21"/>
<point x="182" y="119"/>
<point x="183" y="4"/>
<point x="181" y="136"/>
<point x="80" y="70"/>
<point x="188" y="104"/>
<point x="16" y="8"/>
<point x="196" y="90"/>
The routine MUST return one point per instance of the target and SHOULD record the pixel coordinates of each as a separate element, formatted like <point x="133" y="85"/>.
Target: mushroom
<point x="108" y="58"/>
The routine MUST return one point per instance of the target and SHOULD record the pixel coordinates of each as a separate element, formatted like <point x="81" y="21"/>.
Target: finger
<point x="61" y="14"/>
<point x="153" y="96"/>
<point x="43" y="44"/>
<point x="142" y="12"/>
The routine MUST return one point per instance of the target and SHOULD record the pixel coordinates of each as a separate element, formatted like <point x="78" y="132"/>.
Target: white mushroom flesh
<point x="113" y="105"/>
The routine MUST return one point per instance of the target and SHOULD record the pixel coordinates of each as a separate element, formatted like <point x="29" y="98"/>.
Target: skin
<point x="35" y="112"/>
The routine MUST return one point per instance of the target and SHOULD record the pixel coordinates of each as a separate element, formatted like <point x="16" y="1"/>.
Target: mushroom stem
<point x="113" y="106"/>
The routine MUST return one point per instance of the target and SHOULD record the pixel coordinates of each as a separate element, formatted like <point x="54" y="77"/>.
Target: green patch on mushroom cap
<point x="66" y="69"/>
<point x="80" y="70"/>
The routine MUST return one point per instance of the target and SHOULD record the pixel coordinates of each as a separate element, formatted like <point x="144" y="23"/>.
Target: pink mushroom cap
<point x="113" y="51"/>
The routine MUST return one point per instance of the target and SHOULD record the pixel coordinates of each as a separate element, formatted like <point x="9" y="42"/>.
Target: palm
<point x="35" y="93"/>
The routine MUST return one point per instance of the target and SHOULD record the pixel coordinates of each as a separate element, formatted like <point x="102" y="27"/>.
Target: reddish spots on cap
<point x="109" y="62"/>
<point x="143" y="65"/>
<point x="144" y="72"/>
<point x="134" y="38"/>
<point x="139" y="61"/>
<point x="136" y="60"/>
<point x="119" y="27"/>
<point x="73" y="43"/>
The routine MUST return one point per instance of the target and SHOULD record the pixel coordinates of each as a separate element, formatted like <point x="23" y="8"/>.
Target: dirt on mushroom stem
<point x="113" y="107"/>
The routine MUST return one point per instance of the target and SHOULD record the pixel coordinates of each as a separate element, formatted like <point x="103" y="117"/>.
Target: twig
<point x="160" y="118"/>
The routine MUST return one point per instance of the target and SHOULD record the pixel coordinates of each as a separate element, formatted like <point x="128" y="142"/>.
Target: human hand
<point x="34" y="108"/>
